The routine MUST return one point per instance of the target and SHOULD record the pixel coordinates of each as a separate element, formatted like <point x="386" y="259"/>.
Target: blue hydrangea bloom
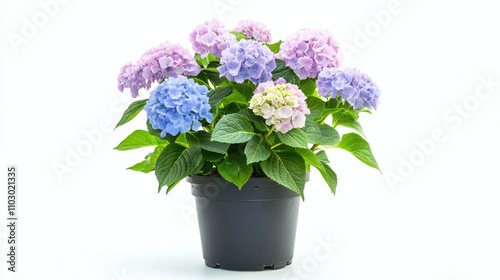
<point x="177" y="105"/>
<point x="355" y="87"/>
<point x="247" y="60"/>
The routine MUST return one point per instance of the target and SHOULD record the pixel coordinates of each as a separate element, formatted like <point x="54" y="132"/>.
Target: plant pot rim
<point x="257" y="188"/>
<point x="217" y="178"/>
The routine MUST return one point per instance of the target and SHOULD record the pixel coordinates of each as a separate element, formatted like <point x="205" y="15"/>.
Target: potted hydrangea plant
<point x="244" y="119"/>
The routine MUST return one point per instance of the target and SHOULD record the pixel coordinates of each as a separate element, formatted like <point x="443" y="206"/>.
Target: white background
<point x="439" y="220"/>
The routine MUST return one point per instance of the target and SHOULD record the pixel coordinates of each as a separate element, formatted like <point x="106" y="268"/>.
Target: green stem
<point x="335" y="123"/>
<point x="214" y="118"/>
<point x="322" y="120"/>
<point x="277" y="145"/>
<point x="314" y="147"/>
<point x="269" y="133"/>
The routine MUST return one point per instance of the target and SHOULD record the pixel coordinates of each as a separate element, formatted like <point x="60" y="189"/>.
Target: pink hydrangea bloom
<point x="254" y="30"/>
<point x="157" y="64"/>
<point x="308" y="51"/>
<point x="211" y="37"/>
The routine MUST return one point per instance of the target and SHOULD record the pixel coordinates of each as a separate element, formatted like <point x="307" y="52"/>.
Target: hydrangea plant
<point x="242" y="106"/>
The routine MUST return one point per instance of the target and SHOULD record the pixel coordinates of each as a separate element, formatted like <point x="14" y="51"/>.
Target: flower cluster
<point x="254" y="30"/>
<point x="211" y="37"/>
<point x="308" y="51"/>
<point x="352" y="85"/>
<point x="240" y="89"/>
<point x="130" y="77"/>
<point x="281" y="104"/>
<point x="247" y="60"/>
<point x="163" y="61"/>
<point x="177" y="106"/>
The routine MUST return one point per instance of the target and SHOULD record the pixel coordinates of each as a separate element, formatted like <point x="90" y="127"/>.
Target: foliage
<point x="248" y="108"/>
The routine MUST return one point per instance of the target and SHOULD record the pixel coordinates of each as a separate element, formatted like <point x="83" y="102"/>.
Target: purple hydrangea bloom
<point x="211" y="37"/>
<point x="352" y="85"/>
<point x="308" y="51"/>
<point x="247" y="60"/>
<point x="130" y="76"/>
<point x="177" y="105"/>
<point x="254" y="30"/>
<point x="163" y="61"/>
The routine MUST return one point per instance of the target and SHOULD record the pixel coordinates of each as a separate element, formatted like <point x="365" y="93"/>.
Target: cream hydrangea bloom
<point x="281" y="104"/>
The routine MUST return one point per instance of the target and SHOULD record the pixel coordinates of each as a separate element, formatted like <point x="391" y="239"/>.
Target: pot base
<point x="247" y="267"/>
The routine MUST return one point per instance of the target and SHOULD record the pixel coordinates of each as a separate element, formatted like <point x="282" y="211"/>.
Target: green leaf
<point x="310" y="157"/>
<point x="288" y="169"/>
<point x="140" y="139"/>
<point x="280" y="66"/>
<point x="152" y="131"/>
<point x="216" y="96"/>
<point x="207" y="168"/>
<point x="331" y="106"/>
<point x="232" y="108"/>
<point x="132" y="111"/>
<point x="207" y="60"/>
<point x="239" y="35"/>
<point x="285" y="72"/>
<point x="329" y="176"/>
<point x="316" y="106"/>
<point x="212" y="58"/>
<point x="294" y="138"/>
<point x="181" y="140"/>
<point x="200" y="82"/>
<point x="321" y="134"/>
<point x="257" y="149"/>
<point x="235" y="170"/>
<point x="354" y="124"/>
<point x="148" y="164"/>
<point x="175" y="163"/>
<point x="233" y="128"/>
<point x="308" y="86"/>
<point x="157" y="133"/>
<point x="358" y="146"/>
<point x="246" y="89"/>
<point x="211" y="70"/>
<point x="203" y="140"/>
<point x="201" y="61"/>
<point x="211" y="156"/>
<point x="259" y="122"/>
<point x="320" y="162"/>
<point x="212" y="75"/>
<point x="275" y="48"/>
<point x="365" y="111"/>
<point x="346" y="118"/>
<point x="322" y="156"/>
<point x="235" y="97"/>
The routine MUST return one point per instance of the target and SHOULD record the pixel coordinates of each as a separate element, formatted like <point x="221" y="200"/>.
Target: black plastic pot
<point x="248" y="229"/>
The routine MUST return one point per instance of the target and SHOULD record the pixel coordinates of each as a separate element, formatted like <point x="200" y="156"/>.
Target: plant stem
<point x="314" y="147"/>
<point x="214" y="117"/>
<point x="322" y="120"/>
<point x="277" y="145"/>
<point x="335" y="123"/>
<point x="269" y="133"/>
